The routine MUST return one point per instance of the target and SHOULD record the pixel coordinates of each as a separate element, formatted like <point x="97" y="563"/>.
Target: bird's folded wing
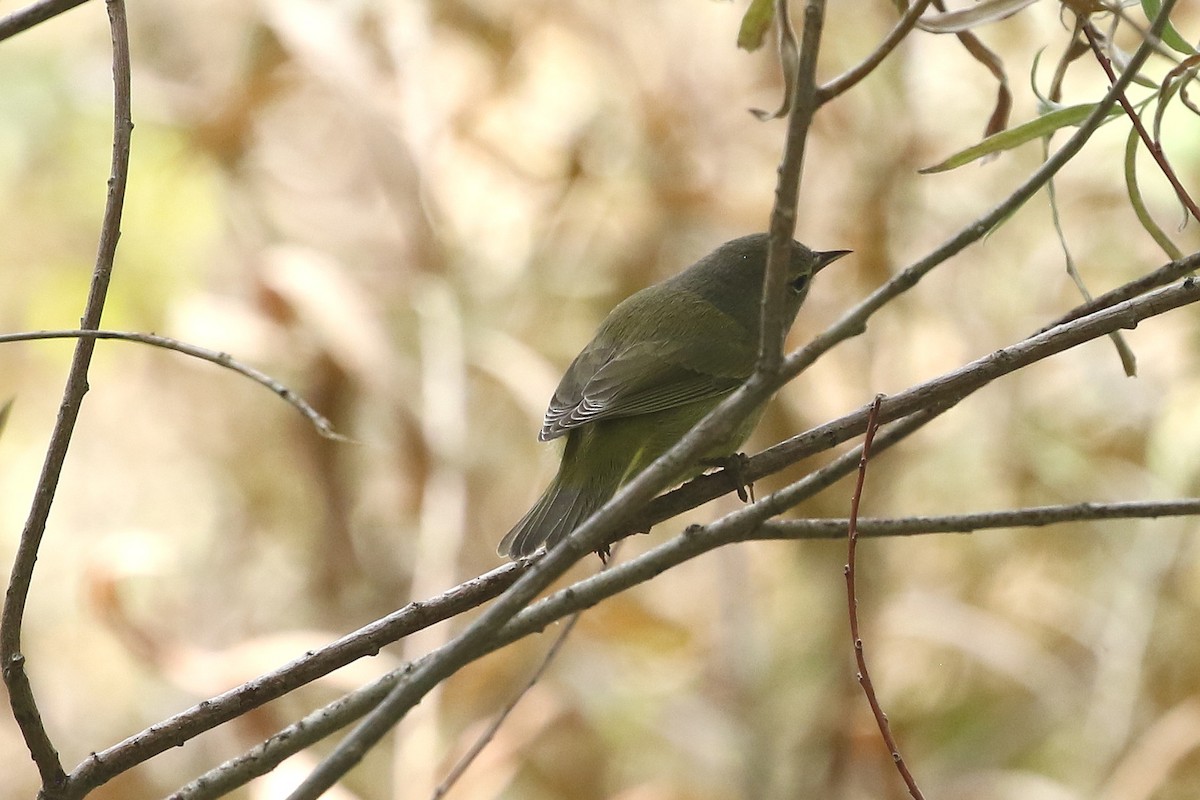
<point x="650" y="376"/>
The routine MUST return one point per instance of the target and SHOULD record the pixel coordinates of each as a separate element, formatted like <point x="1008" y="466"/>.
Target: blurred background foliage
<point x="414" y="214"/>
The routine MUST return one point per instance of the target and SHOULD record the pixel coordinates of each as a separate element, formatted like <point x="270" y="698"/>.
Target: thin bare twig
<point x="1035" y="517"/>
<point x="34" y="14"/>
<point x="1151" y="145"/>
<point x="852" y="76"/>
<point x="860" y="658"/>
<point x="485" y="738"/>
<point x="221" y="359"/>
<point x="12" y="660"/>
<point x="1159" y="277"/>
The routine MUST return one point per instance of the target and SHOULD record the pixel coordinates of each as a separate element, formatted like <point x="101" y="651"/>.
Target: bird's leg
<point x="735" y="465"/>
<point x="605" y="552"/>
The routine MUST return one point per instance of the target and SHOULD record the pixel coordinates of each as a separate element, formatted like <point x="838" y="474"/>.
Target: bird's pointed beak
<point x="828" y="257"/>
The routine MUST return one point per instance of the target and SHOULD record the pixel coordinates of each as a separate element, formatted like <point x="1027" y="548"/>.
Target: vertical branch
<point x="864" y="677"/>
<point x="787" y="189"/>
<point x="12" y="661"/>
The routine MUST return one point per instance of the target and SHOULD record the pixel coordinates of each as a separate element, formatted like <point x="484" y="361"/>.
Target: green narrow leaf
<point x="755" y="24"/>
<point x="979" y="14"/>
<point x="1139" y="205"/>
<point x="1014" y="137"/>
<point x="1170" y="36"/>
<point x="1044" y="103"/>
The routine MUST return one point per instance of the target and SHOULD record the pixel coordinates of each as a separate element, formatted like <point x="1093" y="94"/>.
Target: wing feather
<point x="643" y="378"/>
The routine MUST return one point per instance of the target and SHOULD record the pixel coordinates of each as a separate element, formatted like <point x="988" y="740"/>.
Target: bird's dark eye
<point x="799" y="284"/>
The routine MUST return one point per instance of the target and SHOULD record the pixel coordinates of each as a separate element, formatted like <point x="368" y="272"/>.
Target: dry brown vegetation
<point x="413" y="214"/>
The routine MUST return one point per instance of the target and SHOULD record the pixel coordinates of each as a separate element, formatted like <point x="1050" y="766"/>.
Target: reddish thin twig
<point x="864" y="676"/>
<point x="1151" y="144"/>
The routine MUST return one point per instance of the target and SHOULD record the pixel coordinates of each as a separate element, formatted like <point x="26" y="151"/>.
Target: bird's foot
<point x="735" y="465"/>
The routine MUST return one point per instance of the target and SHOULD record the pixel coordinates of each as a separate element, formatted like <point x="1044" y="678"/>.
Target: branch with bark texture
<point x="12" y="660"/>
<point x="909" y="411"/>
<point x="591" y="591"/>
<point x="751" y="523"/>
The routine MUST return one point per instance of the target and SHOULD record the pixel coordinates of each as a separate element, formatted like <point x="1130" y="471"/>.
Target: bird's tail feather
<point x="557" y="512"/>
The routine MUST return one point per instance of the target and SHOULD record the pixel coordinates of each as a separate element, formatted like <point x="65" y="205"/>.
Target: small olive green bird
<point x="661" y="360"/>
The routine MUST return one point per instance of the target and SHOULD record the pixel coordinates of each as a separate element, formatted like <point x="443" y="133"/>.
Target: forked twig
<point x="12" y="660"/>
<point x="1151" y="145"/>
<point x="485" y="738"/>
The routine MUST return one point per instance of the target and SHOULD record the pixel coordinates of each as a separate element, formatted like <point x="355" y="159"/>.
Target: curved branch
<point x="221" y="359"/>
<point x="1034" y="517"/>
<point x="12" y="661"/>
<point x="851" y="573"/>
<point x="852" y="76"/>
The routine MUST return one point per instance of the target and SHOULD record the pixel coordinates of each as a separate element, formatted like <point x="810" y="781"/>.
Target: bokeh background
<point x="414" y="214"/>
